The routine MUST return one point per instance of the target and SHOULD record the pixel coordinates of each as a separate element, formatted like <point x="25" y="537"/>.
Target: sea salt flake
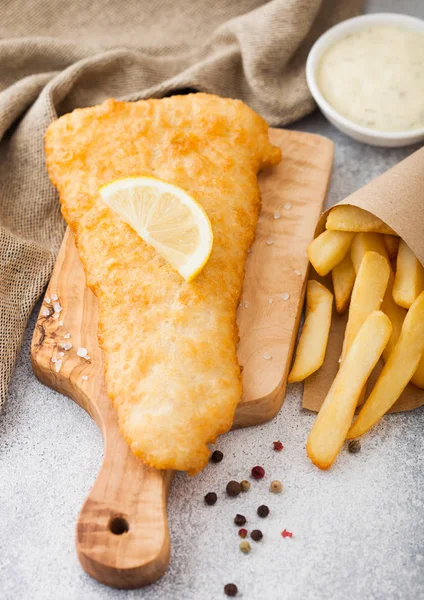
<point x="60" y="323"/>
<point x="84" y="377"/>
<point x="56" y="316"/>
<point x="246" y="304"/>
<point x="287" y="206"/>
<point x="277" y="215"/>
<point x="67" y="336"/>
<point x="57" y="366"/>
<point x="47" y="300"/>
<point x="297" y="272"/>
<point x="87" y="357"/>
<point x="45" y="312"/>
<point x="270" y="301"/>
<point x="54" y="359"/>
<point x="267" y="356"/>
<point x="285" y="296"/>
<point x="269" y="242"/>
<point x="82" y="352"/>
<point x="66" y="346"/>
<point x="61" y="354"/>
<point x="57" y="307"/>
<point x="55" y="297"/>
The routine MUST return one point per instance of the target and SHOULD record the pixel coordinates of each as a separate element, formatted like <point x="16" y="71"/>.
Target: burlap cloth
<point x="56" y="55"/>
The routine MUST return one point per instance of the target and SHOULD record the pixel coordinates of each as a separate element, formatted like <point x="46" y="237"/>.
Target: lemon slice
<point x="166" y="217"/>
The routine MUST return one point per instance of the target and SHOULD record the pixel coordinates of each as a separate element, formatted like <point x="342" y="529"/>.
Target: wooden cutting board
<point x="122" y="534"/>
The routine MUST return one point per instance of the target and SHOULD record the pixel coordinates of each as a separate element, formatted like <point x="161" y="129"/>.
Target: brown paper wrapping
<point x="397" y="198"/>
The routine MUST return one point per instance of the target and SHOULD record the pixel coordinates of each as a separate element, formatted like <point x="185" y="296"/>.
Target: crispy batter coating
<point x="169" y="346"/>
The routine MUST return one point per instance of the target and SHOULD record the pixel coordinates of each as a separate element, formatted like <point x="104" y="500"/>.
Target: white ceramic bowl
<point x="362" y="134"/>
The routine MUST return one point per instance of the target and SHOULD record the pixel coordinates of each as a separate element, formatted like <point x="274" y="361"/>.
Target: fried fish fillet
<point x="169" y="346"/>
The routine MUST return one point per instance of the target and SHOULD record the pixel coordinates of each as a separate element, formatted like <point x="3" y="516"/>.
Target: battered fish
<point x="169" y="346"/>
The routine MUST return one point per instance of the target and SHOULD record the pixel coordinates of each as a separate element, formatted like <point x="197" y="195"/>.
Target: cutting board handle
<point x="122" y="536"/>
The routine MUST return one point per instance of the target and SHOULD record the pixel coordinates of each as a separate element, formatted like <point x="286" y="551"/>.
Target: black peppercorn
<point x="239" y="520"/>
<point x="216" y="456"/>
<point x="211" y="498"/>
<point x="233" y="488"/>
<point x="263" y="511"/>
<point x="230" y="589"/>
<point x="256" y="535"/>
<point x="354" y="446"/>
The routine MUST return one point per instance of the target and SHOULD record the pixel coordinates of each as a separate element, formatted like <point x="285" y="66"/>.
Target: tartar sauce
<point x="375" y="78"/>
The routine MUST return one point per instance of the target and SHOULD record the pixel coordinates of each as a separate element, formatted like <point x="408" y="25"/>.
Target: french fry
<point x="313" y="340"/>
<point x="409" y="277"/>
<point x="343" y="276"/>
<point x="392" y="245"/>
<point x="397" y="372"/>
<point x="396" y="315"/>
<point x="351" y="218"/>
<point x="335" y="416"/>
<point x="418" y="377"/>
<point x="366" y="242"/>
<point x="367" y="294"/>
<point x="328" y="249"/>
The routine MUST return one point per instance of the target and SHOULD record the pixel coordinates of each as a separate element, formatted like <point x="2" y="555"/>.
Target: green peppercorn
<point x="354" y="446"/>
<point x="263" y="511"/>
<point x="245" y="547"/>
<point x="211" y="498"/>
<point x="245" y="485"/>
<point x="276" y="487"/>
<point x="233" y="488"/>
<point x="256" y="535"/>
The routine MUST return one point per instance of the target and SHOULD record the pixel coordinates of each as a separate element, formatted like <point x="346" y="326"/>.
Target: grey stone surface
<point x="358" y="529"/>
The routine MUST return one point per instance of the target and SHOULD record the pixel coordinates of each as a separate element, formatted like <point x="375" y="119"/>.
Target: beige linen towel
<point x="56" y="55"/>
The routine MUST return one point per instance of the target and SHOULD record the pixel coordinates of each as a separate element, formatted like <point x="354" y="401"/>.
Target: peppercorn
<point x="216" y="456"/>
<point x="354" y="446"/>
<point x="233" y="488"/>
<point x="211" y="498"/>
<point x="245" y="485"/>
<point x="276" y="487"/>
<point x="245" y="547"/>
<point x="230" y="589"/>
<point x="278" y="446"/>
<point x="256" y="535"/>
<point x="242" y="533"/>
<point x="263" y="511"/>
<point x="258" y="472"/>
<point x="239" y="520"/>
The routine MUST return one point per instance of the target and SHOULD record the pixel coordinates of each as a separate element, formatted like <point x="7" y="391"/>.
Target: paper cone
<point x="397" y="198"/>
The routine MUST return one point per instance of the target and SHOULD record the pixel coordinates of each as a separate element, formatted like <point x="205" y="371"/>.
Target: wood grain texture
<point x="122" y="533"/>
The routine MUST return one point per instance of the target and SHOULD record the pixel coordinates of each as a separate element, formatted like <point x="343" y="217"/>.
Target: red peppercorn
<point x="278" y="446"/>
<point x="242" y="532"/>
<point x="258" y="472"/>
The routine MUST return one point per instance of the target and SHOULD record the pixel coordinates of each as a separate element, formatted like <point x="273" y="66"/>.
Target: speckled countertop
<point x="358" y="529"/>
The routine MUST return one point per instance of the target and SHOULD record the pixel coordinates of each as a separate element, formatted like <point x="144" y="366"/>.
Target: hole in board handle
<point x="118" y="525"/>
